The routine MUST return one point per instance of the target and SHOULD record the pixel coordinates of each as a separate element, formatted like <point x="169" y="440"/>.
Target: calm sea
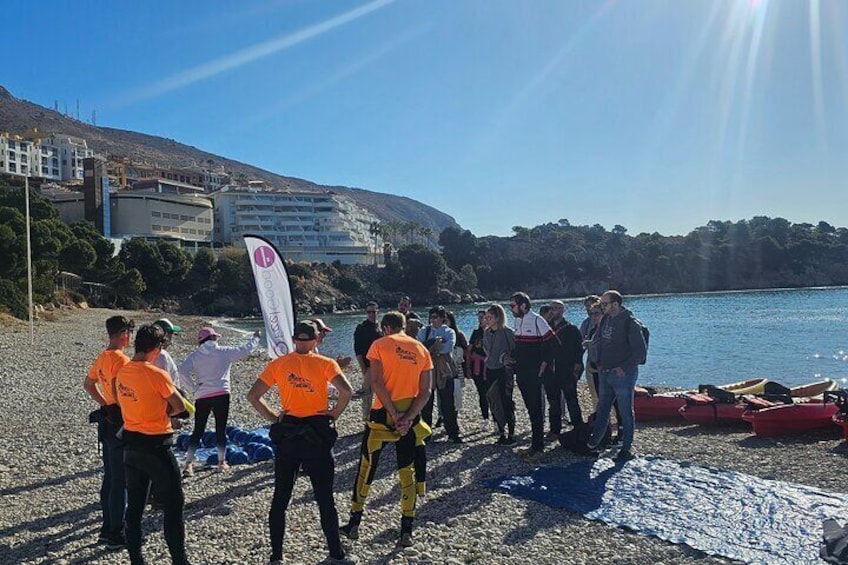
<point x="791" y="336"/>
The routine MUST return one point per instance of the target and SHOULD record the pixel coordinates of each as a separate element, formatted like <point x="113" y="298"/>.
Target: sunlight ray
<point x="751" y="70"/>
<point x="816" y="56"/>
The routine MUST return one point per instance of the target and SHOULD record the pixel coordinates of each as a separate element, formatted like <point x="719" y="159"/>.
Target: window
<point x="184" y="230"/>
<point x="156" y="227"/>
<point x="11" y="155"/>
<point x="185" y="218"/>
<point x="156" y="214"/>
<point x="13" y="168"/>
<point x="45" y="171"/>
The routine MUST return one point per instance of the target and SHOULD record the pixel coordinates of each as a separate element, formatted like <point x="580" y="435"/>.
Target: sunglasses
<point x="371" y="311"/>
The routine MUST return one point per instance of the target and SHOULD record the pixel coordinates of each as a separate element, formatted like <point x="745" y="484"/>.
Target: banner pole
<point x="29" y="262"/>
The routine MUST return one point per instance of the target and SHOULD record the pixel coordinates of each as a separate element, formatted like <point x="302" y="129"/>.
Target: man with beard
<point x="534" y="344"/>
<point x="364" y="335"/>
<point x="620" y="347"/>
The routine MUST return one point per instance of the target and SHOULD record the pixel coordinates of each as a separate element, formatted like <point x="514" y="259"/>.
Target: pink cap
<point x="206" y="333"/>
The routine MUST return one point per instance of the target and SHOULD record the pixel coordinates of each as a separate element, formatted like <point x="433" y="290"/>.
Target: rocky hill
<point x="18" y="116"/>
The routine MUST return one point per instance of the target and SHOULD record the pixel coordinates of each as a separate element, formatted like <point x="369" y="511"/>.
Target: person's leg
<point x="606" y="395"/>
<point x="321" y="470"/>
<point x="202" y="408"/>
<point x="106" y="483"/>
<point x="446" y="396"/>
<point x="553" y="392"/>
<point x="367" y="394"/>
<point x="427" y="411"/>
<point x="507" y="384"/>
<point x="531" y="391"/>
<point x="117" y="497"/>
<point x="369" y="458"/>
<point x="569" y="390"/>
<point x="482" y="387"/>
<point x="405" y="451"/>
<point x="286" y="464"/>
<point x="137" y="482"/>
<point x="623" y="387"/>
<point x="221" y="411"/>
<point x="168" y="484"/>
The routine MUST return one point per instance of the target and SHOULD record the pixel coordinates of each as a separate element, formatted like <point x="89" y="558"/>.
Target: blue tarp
<point x="716" y="511"/>
<point x="243" y="446"/>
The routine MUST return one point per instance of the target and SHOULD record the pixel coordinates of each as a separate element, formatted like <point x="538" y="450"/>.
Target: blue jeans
<point x="113" y="498"/>
<point x="614" y="388"/>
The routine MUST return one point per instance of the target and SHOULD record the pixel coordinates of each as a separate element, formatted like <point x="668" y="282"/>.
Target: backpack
<point x="646" y="334"/>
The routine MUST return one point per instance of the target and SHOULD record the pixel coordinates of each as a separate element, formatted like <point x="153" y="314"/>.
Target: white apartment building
<point x="17" y="156"/>
<point x="57" y="157"/>
<point x="304" y="226"/>
<point x="69" y="151"/>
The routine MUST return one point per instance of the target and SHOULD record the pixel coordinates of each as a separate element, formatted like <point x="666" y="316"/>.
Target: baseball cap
<point x="306" y="331"/>
<point x="168" y="326"/>
<point x="206" y="333"/>
<point x="320" y="325"/>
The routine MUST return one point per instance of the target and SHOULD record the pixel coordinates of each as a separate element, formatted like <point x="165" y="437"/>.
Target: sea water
<point x="792" y="336"/>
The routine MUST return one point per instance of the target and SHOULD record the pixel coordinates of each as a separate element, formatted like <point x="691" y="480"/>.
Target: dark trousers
<point x="530" y="386"/>
<point x="113" y="495"/>
<point x="559" y="384"/>
<point x="156" y="467"/>
<point x="448" y="407"/>
<point x="316" y="461"/>
<point x="482" y="384"/>
<point x="503" y="406"/>
<point x="220" y="407"/>
<point x="427" y="410"/>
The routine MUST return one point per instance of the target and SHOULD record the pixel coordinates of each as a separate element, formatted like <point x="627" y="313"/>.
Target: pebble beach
<point x="50" y="474"/>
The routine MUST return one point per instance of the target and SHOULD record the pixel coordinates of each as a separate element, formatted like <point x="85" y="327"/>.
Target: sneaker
<point x="456" y="439"/>
<point x="276" y="562"/>
<point x="103" y="537"/>
<point x="350" y="531"/>
<point x="551" y="436"/>
<point x="223" y="467"/>
<point x="406" y="539"/>
<point x="189" y="470"/>
<point x="439" y="423"/>
<point x="116" y="541"/>
<point x="485" y="426"/>
<point x="623" y="456"/>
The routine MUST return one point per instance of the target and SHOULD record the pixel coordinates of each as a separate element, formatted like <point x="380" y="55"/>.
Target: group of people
<point x="142" y="401"/>
<point x="408" y="368"/>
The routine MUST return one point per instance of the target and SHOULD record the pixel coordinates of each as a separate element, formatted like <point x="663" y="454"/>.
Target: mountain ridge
<point x="18" y="116"/>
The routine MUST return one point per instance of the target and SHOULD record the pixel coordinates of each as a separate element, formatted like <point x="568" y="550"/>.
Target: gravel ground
<point x="50" y="475"/>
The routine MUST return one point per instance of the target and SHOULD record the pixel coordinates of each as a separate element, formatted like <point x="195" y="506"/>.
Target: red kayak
<point x="650" y="406"/>
<point x="705" y="410"/>
<point x="840" y="400"/>
<point x="791" y="418"/>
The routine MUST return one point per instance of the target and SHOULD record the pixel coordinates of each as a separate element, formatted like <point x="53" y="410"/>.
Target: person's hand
<point x="403" y="424"/>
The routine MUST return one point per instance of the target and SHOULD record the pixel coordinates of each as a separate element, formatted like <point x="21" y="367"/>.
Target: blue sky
<point x="658" y="115"/>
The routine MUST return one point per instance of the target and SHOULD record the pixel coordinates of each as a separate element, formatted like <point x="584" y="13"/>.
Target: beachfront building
<point x="304" y="226"/>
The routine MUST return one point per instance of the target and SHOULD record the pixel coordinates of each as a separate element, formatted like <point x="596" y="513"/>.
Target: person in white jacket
<point x="208" y="369"/>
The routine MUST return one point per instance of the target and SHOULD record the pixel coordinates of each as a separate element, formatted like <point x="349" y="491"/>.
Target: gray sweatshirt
<point x="496" y="344"/>
<point x="616" y="345"/>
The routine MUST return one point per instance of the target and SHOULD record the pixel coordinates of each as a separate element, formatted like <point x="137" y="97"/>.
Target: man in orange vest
<point x="148" y="399"/>
<point x="100" y="386"/>
<point x="304" y="432"/>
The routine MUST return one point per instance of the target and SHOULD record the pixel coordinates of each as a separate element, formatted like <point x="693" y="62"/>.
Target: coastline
<point x="50" y="475"/>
